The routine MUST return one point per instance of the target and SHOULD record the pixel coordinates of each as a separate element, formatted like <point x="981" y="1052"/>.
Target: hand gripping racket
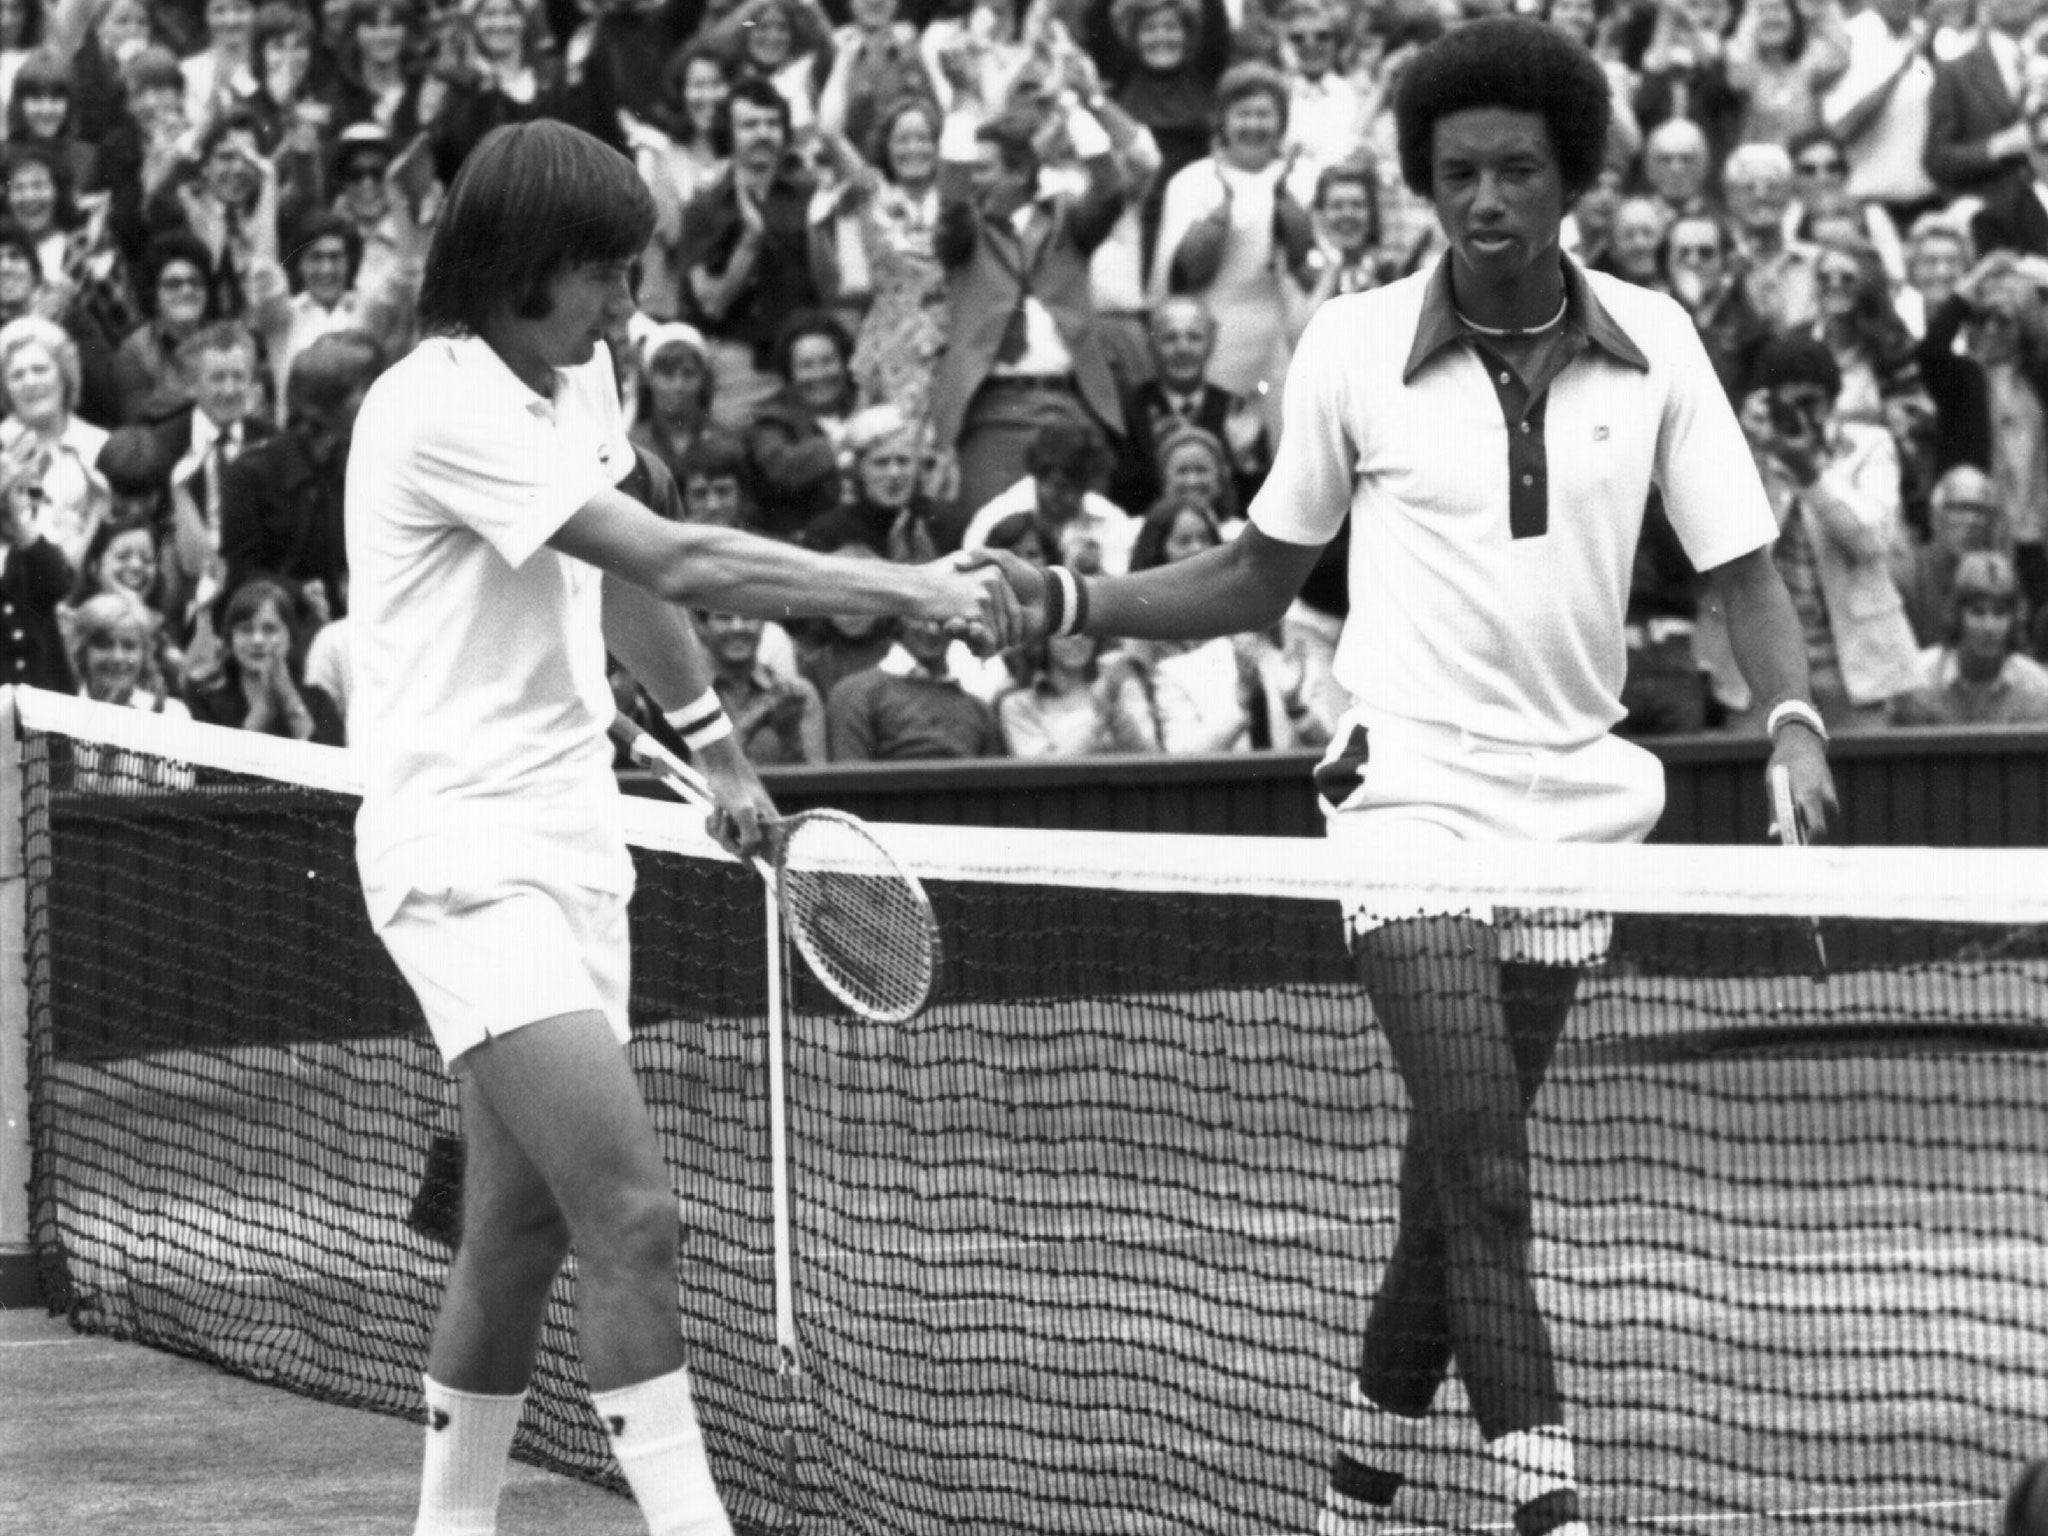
<point x="861" y="920"/>
<point x="1789" y="822"/>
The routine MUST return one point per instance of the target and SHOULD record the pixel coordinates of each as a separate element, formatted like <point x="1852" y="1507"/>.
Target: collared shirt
<point x="75" y="493"/>
<point x="1885" y="159"/>
<point x="481" y="696"/>
<point x="2018" y="695"/>
<point x="1490" y="565"/>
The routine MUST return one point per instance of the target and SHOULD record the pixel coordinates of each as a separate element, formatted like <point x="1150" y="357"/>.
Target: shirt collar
<point x="1438" y="326"/>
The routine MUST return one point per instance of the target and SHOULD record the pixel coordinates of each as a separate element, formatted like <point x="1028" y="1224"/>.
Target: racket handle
<point x="673" y="771"/>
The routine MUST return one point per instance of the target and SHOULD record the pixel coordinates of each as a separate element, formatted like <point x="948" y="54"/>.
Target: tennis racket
<point x="1789" y="822"/>
<point x="860" y="919"/>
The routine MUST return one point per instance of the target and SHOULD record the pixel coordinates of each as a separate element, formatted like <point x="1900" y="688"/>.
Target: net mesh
<point x="1088" y="1245"/>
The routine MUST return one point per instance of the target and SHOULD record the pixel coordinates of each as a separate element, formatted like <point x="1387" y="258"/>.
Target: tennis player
<point x="493" y="562"/>
<point x="1493" y="428"/>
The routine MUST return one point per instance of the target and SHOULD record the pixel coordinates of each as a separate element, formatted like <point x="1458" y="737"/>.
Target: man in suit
<point x="281" y="501"/>
<point x="1183" y="335"/>
<point x="2015" y="217"/>
<point x="200" y="440"/>
<point x="1020" y="341"/>
<point x="1975" y="138"/>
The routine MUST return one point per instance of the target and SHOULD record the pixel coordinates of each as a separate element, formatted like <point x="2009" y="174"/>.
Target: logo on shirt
<point x="1599" y="434"/>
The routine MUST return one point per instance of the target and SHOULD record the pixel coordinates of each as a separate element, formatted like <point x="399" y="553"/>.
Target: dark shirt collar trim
<point x="1438" y="326"/>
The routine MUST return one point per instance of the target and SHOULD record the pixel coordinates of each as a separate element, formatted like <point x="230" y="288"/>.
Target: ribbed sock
<point x="1373" y="1444"/>
<point x="654" y="1433"/>
<point x="469" y="1435"/>
<point x="1539" y="1480"/>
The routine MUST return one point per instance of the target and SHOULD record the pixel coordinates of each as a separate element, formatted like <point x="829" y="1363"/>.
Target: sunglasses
<point x="1314" y="37"/>
<point x="1695" y="253"/>
<point x="1821" y="167"/>
<point x="1835" y="279"/>
<point x="357" y="173"/>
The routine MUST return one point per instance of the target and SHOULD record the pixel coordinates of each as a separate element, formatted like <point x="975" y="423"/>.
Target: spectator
<point x="200" y="440"/>
<point x="373" y="81"/>
<point x="1194" y="470"/>
<point x="35" y="579"/>
<point x="1161" y="60"/>
<point x="675" y="385"/>
<point x="227" y="200"/>
<point x="125" y="560"/>
<point x="1975" y="139"/>
<point x="142" y="141"/>
<point x="1783" y="57"/>
<point x="178" y="296"/>
<point x="42" y="201"/>
<point x="778" y="718"/>
<point x="261" y="686"/>
<point x="885" y="261"/>
<point x="291" y="123"/>
<point x="1325" y="109"/>
<point x="1212" y="695"/>
<point x="1589" y="23"/>
<point x="281" y="501"/>
<point x="1979" y="675"/>
<point x="1589" y="227"/>
<point x="2012" y="217"/>
<point x="886" y="512"/>
<point x="1682" y="76"/>
<point x="1065" y="462"/>
<point x="1996" y="394"/>
<point x="186" y="560"/>
<point x="1020" y="345"/>
<point x="1677" y="165"/>
<point x="220" y="77"/>
<point x="1777" y="271"/>
<point x="498" y="66"/>
<point x="1183" y="338"/>
<point x="837" y="647"/>
<point x="1699" y="271"/>
<point x="1878" y="109"/>
<point x="39" y="382"/>
<point x="745" y="253"/>
<point x="1231" y="233"/>
<point x="1346" y="258"/>
<point x="1963" y="516"/>
<point x="793" y="441"/>
<point x="782" y="44"/>
<point x="713" y="479"/>
<point x="684" y="151"/>
<point x="1880" y="368"/>
<point x="910" y="706"/>
<point x="876" y="66"/>
<point x="321" y="291"/>
<point x="39" y="112"/>
<point x="1939" y="252"/>
<point x="1639" y="226"/>
<point x="1081" y="697"/>
<point x="1834" y="486"/>
<point x="113" y="649"/>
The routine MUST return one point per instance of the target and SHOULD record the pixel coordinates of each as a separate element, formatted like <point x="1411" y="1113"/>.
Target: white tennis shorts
<point x="485" y="963"/>
<point x="1391" y="786"/>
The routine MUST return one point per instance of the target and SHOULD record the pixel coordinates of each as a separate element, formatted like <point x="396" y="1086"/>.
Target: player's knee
<point x="637" y="1230"/>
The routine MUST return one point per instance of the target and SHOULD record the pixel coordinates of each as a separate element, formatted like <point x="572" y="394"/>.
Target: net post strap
<point x="1992" y="885"/>
<point x="15" y="1149"/>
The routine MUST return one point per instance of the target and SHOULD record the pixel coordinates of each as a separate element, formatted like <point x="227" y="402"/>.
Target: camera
<point x="1790" y="419"/>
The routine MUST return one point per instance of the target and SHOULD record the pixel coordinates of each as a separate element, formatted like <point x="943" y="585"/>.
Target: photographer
<point x="1834" y="487"/>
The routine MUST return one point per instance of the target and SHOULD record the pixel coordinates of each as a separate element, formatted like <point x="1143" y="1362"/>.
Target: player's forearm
<point x="1243" y="585"/>
<point x="735" y="572"/>
<point x="1763" y="629"/>
<point x="657" y="642"/>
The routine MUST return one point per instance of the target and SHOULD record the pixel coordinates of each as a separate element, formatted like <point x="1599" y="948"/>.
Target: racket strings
<point x="861" y="921"/>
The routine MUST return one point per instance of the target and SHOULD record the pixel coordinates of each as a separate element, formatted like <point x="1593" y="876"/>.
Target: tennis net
<point x="1087" y="1246"/>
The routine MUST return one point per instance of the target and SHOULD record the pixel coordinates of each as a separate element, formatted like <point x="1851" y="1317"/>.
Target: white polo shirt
<point x="1504" y="621"/>
<point x="480" y="697"/>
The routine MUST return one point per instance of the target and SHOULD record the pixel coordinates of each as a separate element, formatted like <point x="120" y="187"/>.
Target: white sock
<point x="469" y="1436"/>
<point x="1373" y="1443"/>
<point x="654" y="1433"/>
<point x="1539" y="1480"/>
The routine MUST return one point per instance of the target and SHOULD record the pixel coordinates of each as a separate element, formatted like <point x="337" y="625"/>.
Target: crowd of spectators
<point x="930" y="275"/>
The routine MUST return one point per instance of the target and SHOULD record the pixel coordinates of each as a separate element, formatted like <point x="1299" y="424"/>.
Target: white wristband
<point x="1070" y="610"/>
<point x="701" y="721"/>
<point x="1788" y="710"/>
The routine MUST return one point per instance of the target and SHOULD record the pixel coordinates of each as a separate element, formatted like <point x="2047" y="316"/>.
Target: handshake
<point x="994" y="600"/>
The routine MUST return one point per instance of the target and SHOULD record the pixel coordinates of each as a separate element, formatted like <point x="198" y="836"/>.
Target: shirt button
<point x="1528" y="479"/>
<point x="1504" y="378"/>
<point x="1525" y="429"/>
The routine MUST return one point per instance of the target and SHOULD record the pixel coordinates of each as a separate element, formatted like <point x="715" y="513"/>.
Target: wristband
<point x="1056" y="604"/>
<point x="1785" y="711"/>
<point x="700" y="722"/>
<point x="1067" y="615"/>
